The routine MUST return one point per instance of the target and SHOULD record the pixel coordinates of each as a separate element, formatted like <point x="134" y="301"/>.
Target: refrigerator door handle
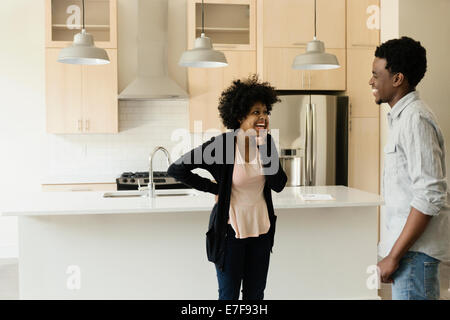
<point x="313" y="144"/>
<point x="308" y="146"/>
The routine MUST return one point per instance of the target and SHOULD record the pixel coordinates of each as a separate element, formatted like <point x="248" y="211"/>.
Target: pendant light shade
<point x="315" y="57"/>
<point x="83" y="51"/>
<point x="203" y="55"/>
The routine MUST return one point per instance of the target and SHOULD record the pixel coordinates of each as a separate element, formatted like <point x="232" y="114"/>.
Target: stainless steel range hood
<point x="152" y="81"/>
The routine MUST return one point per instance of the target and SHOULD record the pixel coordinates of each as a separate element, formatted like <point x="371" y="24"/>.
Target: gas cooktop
<point x="132" y="181"/>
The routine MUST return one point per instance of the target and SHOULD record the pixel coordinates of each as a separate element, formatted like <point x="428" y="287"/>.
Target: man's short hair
<point x="404" y="55"/>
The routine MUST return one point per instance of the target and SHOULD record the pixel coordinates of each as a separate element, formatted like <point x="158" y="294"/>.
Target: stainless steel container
<point x="292" y="165"/>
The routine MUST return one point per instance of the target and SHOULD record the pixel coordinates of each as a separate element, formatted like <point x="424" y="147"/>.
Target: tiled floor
<point x="9" y="281"/>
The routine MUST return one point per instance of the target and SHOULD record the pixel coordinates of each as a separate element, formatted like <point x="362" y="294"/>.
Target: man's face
<point x="381" y="82"/>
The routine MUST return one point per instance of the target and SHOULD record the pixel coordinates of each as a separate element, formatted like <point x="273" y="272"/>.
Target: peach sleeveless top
<point x="248" y="213"/>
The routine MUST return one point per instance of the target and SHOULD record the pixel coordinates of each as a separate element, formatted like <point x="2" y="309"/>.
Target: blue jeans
<point x="417" y="278"/>
<point x="246" y="261"/>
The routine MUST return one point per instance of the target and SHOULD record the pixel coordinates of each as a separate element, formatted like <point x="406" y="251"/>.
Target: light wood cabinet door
<point x="363" y="160"/>
<point x="287" y="23"/>
<point x="331" y="25"/>
<point x="100" y="104"/>
<point x="81" y="99"/>
<point x="240" y="66"/>
<point x="334" y="79"/>
<point x="278" y="68"/>
<point x="63" y="91"/>
<point x="290" y="23"/>
<point x="359" y="66"/>
<point x="206" y="86"/>
<point x="278" y="71"/>
<point x="363" y="23"/>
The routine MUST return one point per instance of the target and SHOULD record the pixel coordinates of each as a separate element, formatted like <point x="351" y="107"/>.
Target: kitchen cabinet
<point x="206" y="85"/>
<point x="363" y="160"/>
<point x="277" y="59"/>
<point x="359" y="71"/>
<point x="63" y="19"/>
<point x="363" y="23"/>
<point x="231" y="24"/>
<point x="80" y="187"/>
<point x="81" y="99"/>
<point x="290" y="23"/>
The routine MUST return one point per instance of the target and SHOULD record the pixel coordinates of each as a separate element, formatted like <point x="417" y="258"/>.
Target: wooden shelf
<point x="213" y="29"/>
<point x="89" y="26"/>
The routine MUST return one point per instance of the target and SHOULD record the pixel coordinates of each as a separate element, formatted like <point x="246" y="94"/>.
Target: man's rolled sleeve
<point x="425" y="169"/>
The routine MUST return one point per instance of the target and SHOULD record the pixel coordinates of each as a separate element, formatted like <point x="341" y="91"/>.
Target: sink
<point x="158" y="193"/>
<point x="124" y="194"/>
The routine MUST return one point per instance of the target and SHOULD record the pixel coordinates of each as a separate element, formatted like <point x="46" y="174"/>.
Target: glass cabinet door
<point x="229" y="24"/>
<point x="65" y="19"/>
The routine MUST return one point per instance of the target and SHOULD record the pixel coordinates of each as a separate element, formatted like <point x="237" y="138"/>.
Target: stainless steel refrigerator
<point x="313" y="140"/>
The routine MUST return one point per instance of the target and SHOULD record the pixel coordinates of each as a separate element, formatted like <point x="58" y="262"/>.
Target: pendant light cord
<point x="83" y="16"/>
<point x="203" y="19"/>
<point x="315" y="13"/>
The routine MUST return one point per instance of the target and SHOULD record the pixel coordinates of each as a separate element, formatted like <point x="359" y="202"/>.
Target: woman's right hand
<point x="217" y="198"/>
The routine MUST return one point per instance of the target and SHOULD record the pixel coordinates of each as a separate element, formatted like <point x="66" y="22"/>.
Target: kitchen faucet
<point x="151" y="185"/>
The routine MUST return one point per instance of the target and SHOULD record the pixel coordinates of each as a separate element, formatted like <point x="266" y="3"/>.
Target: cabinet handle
<point x="350" y="106"/>
<point x="363" y="45"/>
<point x="80" y="190"/>
<point x="80" y="125"/>
<point x="87" y="125"/>
<point x="224" y="46"/>
<point x="299" y="44"/>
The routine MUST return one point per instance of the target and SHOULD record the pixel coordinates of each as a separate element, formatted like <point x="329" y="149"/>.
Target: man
<point x="414" y="181"/>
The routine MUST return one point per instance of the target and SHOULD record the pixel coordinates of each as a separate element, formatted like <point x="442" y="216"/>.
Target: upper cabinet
<point x="363" y="23"/>
<point x="64" y="18"/>
<point x="284" y="29"/>
<point x="80" y="98"/>
<point x="290" y="23"/>
<point x="229" y="23"/>
<point x="207" y="84"/>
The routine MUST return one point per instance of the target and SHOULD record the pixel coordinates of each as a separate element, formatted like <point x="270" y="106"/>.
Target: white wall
<point x="28" y="154"/>
<point x="429" y="23"/>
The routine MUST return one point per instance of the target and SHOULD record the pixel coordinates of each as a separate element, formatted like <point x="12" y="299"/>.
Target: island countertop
<point x="82" y="203"/>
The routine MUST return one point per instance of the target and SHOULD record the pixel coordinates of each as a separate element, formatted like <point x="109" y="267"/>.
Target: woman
<point x="245" y="165"/>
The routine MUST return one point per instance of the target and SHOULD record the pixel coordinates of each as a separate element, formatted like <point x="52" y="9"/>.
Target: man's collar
<point x="403" y="103"/>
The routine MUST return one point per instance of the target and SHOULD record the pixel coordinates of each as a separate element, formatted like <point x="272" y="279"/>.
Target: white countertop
<point x="79" y="203"/>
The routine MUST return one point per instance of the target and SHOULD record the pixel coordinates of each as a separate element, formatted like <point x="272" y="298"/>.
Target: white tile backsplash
<point x="143" y="125"/>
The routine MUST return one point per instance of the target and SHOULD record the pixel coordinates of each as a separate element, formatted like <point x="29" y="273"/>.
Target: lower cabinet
<point x="363" y="159"/>
<point x="79" y="187"/>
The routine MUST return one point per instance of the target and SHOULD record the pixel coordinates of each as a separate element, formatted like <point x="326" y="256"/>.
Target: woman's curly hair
<point x="237" y="100"/>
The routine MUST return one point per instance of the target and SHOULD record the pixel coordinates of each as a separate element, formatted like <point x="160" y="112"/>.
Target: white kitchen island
<point x="83" y="246"/>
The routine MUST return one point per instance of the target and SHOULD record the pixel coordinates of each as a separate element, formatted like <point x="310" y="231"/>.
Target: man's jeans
<point x="247" y="262"/>
<point x="417" y="278"/>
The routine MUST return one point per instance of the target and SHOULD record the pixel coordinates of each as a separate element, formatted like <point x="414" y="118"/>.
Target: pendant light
<point x="83" y="50"/>
<point x="203" y="55"/>
<point x="315" y="57"/>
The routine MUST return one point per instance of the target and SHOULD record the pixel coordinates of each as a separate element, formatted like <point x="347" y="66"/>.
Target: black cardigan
<point x="221" y="168"/>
